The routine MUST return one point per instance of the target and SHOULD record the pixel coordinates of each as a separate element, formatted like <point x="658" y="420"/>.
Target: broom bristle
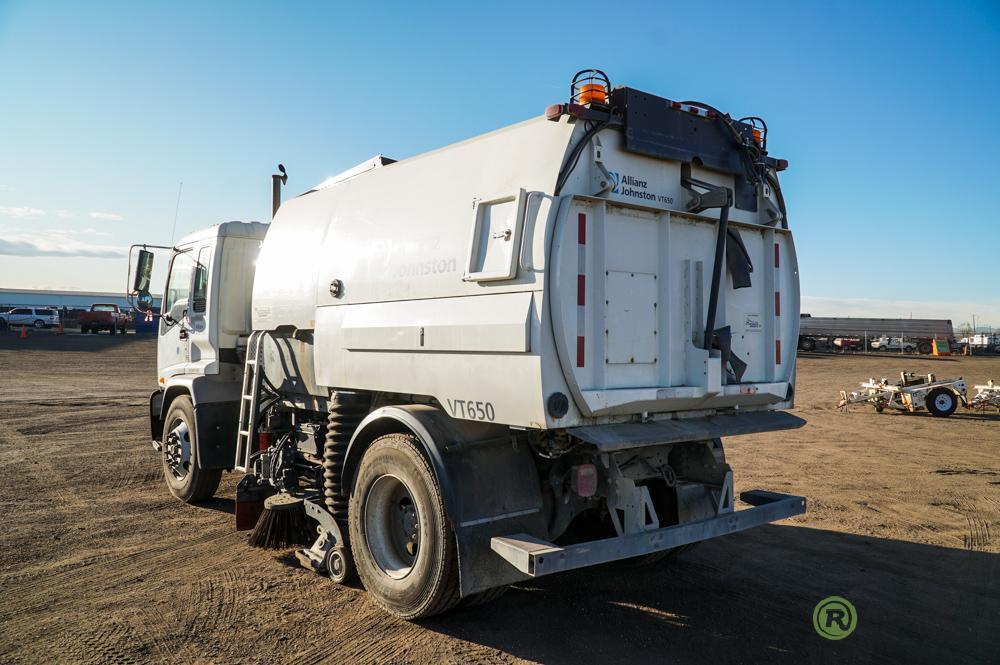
<point x="280" y="527"/>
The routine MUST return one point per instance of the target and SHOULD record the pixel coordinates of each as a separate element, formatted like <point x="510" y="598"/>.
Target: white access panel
<point x="630" y="318"/>
<point x="496" y="237"/>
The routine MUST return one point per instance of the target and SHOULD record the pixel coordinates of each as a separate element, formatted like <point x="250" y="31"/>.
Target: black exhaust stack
<point x="277" y="180"/>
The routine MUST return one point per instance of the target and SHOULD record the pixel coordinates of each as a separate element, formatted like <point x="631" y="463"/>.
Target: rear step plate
<point x="629" y="435"/>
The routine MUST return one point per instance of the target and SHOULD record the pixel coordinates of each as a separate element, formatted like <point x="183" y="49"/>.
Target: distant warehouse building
<point x="65" y="301"/>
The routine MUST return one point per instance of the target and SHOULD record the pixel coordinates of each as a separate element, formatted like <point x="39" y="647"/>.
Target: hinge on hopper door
<point x="605" y="181"/>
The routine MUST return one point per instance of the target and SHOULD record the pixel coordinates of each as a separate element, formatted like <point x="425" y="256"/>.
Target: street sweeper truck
<point x="505" y="358"/>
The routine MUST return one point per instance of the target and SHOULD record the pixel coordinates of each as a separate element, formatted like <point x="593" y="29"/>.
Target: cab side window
<point x="179" y="280"/>
<point x="199" y="285"/>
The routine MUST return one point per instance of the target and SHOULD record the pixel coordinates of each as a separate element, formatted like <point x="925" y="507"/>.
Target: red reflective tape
<point x="579" y="351"/>
<point x="777" y="303"/>
<point x="777" y="352"/>
<point x="581" y="290"/>
<point x="777" y="263"/>
<point x="581" y="233"/>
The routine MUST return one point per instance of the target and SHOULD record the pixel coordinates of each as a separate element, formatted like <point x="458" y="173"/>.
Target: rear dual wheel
<point x="403" y="547"/>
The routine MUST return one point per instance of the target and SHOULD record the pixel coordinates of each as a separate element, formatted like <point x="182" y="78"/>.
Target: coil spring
<point x="346" y="412"/>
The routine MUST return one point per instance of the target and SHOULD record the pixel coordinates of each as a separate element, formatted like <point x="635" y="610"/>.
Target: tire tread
<point x="447" y="592"/>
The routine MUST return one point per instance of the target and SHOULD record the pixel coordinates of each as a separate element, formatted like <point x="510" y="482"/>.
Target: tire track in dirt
<point x="73" y="422"/>
<point x="366" y="634"/>
<point x="37" y="474"/>
<point x="109" y="573"/>
<point x="95" y="639"/>
<point x="141" y="467"/>
<point x="108" y="400"/>
<point x="106" y="642"/>
<point x="978" y="537"/>
<point x="206" y="607"/>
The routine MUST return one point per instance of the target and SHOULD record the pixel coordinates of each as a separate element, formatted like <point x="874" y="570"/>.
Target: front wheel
<point x="39" y="324"/>
<point x="941" y="402"/>
<point x="186" y="480"/>
<point x="403" y="546"/>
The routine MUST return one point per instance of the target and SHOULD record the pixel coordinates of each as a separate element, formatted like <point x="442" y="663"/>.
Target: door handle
<point x="183" y="334"/>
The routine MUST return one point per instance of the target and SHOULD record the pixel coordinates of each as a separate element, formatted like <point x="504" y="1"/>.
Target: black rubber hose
<point x="574" y="156"/>
<point x="776" y="186"/>
<point x="713" y="295"/>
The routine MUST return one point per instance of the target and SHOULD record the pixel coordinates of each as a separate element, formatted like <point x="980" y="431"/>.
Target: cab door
<point x="202" y="349"/>
<point x="173" y="351"/>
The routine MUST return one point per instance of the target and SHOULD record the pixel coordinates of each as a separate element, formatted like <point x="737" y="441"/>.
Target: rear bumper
<point x="536" y="557"/>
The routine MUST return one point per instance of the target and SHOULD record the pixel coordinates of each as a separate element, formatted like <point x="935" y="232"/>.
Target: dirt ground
<point x="100" y="564"/>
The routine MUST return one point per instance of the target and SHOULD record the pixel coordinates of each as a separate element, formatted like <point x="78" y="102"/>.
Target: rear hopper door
<point x="630" y="296"/>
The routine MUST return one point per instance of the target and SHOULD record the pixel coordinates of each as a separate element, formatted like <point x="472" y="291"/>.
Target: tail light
<point x="583" y="480"/>
<point x="264" y="440"/>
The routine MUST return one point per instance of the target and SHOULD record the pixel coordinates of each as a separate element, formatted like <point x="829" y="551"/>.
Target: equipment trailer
<point x="987" y="395"/>
<point x="508" y="357"/>
<point x="911" y="393"/>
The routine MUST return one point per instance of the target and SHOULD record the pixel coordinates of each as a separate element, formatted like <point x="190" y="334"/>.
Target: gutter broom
<point x="282" y="525"/>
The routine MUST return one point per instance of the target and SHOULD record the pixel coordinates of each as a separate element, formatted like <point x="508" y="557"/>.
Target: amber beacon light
<point x="590" y="86"/>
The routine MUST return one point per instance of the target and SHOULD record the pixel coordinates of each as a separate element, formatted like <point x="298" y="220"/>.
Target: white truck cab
<point x="204" y="322"/>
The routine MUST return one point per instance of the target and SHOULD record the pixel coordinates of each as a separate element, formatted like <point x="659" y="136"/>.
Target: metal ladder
<point x="249" y="400"/>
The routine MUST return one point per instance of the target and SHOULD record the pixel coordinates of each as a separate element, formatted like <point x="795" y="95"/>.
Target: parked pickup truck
<point x="103" y="316"/>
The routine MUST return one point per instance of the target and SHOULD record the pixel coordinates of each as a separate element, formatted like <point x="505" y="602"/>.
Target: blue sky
<point x="885" y="111"/>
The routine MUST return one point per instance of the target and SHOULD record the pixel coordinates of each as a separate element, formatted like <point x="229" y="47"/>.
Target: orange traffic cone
<point x="60" y="331"/>
<point x="24" y="332"/>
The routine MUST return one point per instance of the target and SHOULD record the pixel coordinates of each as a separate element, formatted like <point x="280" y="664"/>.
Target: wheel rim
<point x="392" y="527"/>
<point x="943" y="402"/>
<point x="177" y="449"/>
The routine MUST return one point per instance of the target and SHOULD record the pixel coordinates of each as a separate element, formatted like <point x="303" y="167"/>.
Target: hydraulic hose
<point x="574" y="156"/>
